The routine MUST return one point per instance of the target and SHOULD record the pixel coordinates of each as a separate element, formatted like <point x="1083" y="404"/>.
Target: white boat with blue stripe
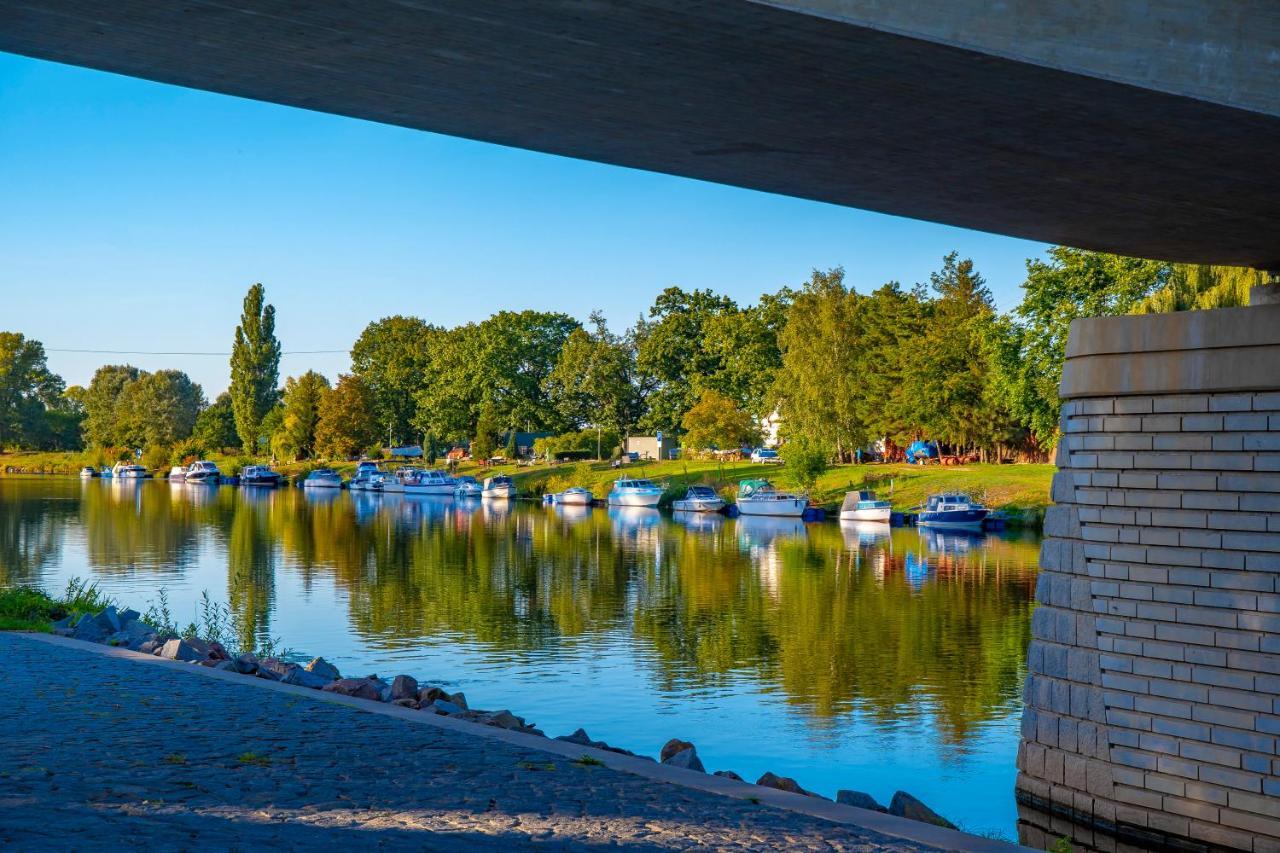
<point x="863" y="506"/>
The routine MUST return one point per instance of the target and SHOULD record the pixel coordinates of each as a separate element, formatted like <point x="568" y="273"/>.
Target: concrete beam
<point x="752" y="95"/>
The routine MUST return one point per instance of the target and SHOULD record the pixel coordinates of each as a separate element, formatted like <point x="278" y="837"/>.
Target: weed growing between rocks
<point x="28" y="608"/>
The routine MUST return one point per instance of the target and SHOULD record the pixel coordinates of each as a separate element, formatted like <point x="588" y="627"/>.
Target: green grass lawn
<point x="1017" y="489"/>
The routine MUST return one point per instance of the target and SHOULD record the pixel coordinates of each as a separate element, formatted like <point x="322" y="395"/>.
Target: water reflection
<point x="830" y="646"/>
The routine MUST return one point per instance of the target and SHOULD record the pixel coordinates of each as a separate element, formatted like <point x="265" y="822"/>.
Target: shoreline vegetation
<point x="1019" y="492"/>
<point x="83" y="613"/>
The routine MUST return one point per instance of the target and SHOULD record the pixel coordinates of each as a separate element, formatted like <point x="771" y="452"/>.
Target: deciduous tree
<point x="255" y="367"/>
<point x="303" y="399"/>
<point x="716" y="422"/>
<point x="347" y="422"/>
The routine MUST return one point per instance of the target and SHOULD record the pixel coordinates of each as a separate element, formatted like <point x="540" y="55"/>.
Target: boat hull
<point x="787" y="508"/>
<point x="575" y="498"/>
<point x="632" y="499"/>
<point x="438" y="489"/>
<point x="698" y="505"/>
<point x="211" y="479"/>
<point x="268" y="482"/>
<point x="969" y="519"/>
<point x="877" y="514"/>
<point x="321" y="484"/>
<point x="464" y="493"/>
<point x="500" y="493"/>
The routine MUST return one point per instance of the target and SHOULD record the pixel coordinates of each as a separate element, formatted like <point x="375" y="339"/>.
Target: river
<point x="844" y="656"/>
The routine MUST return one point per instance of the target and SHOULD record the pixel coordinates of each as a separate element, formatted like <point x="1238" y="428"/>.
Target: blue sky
<point x="135" y="215"/>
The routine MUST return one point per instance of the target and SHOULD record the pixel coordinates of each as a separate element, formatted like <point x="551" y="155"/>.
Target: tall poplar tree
<point x="255" y="367"/>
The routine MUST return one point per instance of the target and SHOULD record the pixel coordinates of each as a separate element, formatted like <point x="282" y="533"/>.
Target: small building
<point x="456" y="454"/>
<point x="413" y="451"/>
<point x="650" y="447"/>
<point x="524" y="441"/>
<point x="769" y="429"/>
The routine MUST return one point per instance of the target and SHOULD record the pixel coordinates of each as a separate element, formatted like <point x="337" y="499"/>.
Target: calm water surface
<point x="841" y="655"/>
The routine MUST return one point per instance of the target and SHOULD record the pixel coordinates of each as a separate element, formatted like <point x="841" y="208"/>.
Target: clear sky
<point x="134" y="215"/>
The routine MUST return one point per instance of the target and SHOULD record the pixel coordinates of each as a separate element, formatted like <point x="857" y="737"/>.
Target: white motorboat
<point x="759" y="497"/>
<point x="122" y="471"/>
<point x="428" y="483"/>
<point x="863" y="506"/>
<point x="367" y="478"/>
<point x="178" y="472"/>
<point x="259" y="475"/>
<point x="576" y="496"/>
<point x="630" y="491"/>
<point x="323" y="478"/>
<point x="699" y="499"/>
<point x="500" y="487"/>
<point x="105" y="473"/>
<point x="204" y="471"/>
<point x="952" y="510"/>
<point x="88" y="472"/>
<point x="466" y="486"/>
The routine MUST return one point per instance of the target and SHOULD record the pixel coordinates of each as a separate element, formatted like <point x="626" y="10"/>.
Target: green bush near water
<point x="27" y="608"/>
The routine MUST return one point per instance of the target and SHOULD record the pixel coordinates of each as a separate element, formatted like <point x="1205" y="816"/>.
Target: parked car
<point x="763" y="456"/>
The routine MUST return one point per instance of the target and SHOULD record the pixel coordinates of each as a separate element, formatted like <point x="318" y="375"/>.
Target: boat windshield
<point x="701" y="492"/>
<point x="634" y="484"/>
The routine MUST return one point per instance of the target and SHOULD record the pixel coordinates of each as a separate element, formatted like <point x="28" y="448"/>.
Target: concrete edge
<point x="909" y="830"/>
<point x="1254" y="325"/>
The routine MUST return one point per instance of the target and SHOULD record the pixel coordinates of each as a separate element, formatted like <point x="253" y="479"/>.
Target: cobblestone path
<point x="99" y="752"/>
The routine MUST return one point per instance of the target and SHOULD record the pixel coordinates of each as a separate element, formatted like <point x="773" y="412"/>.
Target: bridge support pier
<point x="1153" y="692"/>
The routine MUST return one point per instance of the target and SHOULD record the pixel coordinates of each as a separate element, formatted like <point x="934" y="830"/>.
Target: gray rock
<point x="671" y="747"/>
<point x="180" y="650"/>
<point x="729" y="774"/>
<point x="276" y="667"/>
<point x="581" y="738"/>
<point x="202" y="647"/>
<point x="218" y="652"/>
<point x="506" y="720"/>
<point x="427" y="695"/>
<point x="132" y="635"/>
<point x="860" y="800"/>
<point x="127" y="616"/>
<point x="247" y="663"/>
<point x="360" y="688"/>
<point x="150" y="647"/>
<point x="443" y="707"/>
<point x="63" y="627"/>
<point x="905" y="805"/>
<point x="404" y="687"/>
<point x="304" y="678"/>
<point x="93" y="629"/>
<point x="686" y="759"/>
<point x="324" y="669"/>
<point x="226" y="666"/>
<point x="111" y="617"/>
<point x="267" y="674"/>
<point x="459" y="699"/>
<point x="405" y="703"/>
<point x="783" y="783"/>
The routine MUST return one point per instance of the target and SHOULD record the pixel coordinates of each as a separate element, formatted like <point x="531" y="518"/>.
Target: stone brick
<point x="1196" y="423"/>
<point x="1213" y="754"/>
<point x="1180" y="403"/>
<point x="1182" y="441"/>
<point x="1231" y="402"/>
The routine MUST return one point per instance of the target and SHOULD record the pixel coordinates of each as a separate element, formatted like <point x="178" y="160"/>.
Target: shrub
<point x="806" y="461"/>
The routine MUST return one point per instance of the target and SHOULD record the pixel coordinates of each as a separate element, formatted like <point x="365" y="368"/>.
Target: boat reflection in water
<point x="839" y="655"/>
<point x="864" y="534"/>
<point x="703" y="522"/>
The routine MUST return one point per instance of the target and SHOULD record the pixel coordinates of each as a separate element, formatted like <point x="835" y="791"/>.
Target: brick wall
<point x="1153" y="694"/>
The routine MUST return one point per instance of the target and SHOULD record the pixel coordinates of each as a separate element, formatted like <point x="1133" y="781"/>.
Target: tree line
<point x="841" y="368"/>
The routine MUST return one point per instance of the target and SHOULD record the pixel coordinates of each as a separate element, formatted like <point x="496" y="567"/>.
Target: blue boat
<point x="954" y="510"/>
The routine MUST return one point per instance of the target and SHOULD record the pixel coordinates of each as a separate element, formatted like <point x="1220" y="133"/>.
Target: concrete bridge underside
<point x="1153" y="131"/>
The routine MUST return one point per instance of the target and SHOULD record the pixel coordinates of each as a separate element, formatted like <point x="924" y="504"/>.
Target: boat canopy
<point x="747" y="488"/>
<point x="701" y="492"/>
<point x="633" y="484"/>
<point x="855" y="500"/>
<point x="498" y="480"/>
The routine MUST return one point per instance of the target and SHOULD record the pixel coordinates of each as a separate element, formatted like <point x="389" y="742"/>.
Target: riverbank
<point x="167" y="749"/>
<point x="1020" y="491"/>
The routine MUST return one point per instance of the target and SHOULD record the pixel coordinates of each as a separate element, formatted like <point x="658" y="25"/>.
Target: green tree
<point x="593" y="381"/>
<point x="347" y="421"/>
<point x="157" y="409"/>
<point x="255" y="367"/>
<point x="27" y="389"/>
<point x="100" y="423"/>
<point x="715" y="421"/>
<point x="806" y="459"/>
<point x="1197" y="287"/>
<point x="393" y="358"/>
<point x="818" y="387"/>
<point x="303" y="399"/>
<point x="672" y="355"/>
<point x="1072" y="283"/>
<point x="215" y="426"/>
<point x="744" y="345"/>
<point x="892" y="319"/>
<point x="486" y="437"/>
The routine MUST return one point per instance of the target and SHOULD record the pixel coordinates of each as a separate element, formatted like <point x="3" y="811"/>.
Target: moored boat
<point x="699" y="499"/>
<point x="863" y="506"/>
<point x="105" y="473"/>
<point x="466" y="486"/>
<point x="178" y="472"/>
<point x="428" y="483"/>
<point x="259" y="475"/>
<point x="367" y="478"/>
<point x="631" y="491"/>
<point x="500" y="487"/>
<point x="954" y="510"/>
<point x="323" y="478"/>
<point x="759" y="497"/>
<point x="576" y="496"/>
<point x="203" y="471"/>
<point x="88" y="472"/>
<point x="123" y="471"/>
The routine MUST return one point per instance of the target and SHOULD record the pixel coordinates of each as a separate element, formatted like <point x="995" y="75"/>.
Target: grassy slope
<point x="1010" y="487"/>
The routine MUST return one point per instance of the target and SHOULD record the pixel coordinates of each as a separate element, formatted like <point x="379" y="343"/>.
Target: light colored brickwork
<point x="1153" y="694"/>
